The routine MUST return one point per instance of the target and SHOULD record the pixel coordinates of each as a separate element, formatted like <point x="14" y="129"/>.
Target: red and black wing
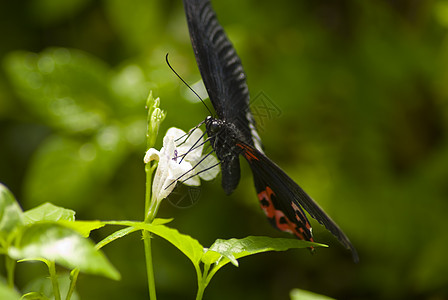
<point x="224" y="78"/>
<point x="282" y="200"/>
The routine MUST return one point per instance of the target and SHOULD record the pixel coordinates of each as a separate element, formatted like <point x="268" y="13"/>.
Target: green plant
<point x="50" y="234"/>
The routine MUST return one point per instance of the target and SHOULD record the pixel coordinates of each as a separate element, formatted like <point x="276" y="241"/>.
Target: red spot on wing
<point x="300" y="216"/>
<point x="281" y="221"/>
<point x="266" y="202"/>
<point x="248" y="152"/>
<point x="299" y="226"/>
<point x="284" y="224"/>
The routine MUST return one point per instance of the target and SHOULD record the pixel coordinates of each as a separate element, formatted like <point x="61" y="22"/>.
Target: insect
<point x="233" y="133"/>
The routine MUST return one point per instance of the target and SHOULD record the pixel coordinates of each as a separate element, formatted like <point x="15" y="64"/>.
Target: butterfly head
<point x="213" y="125"/>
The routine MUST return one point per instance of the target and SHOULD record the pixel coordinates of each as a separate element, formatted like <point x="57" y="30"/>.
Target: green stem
<point x="73" y="278"/>
<point x="148" y="171"/>
<point x="54" y="280"/>
<point x="151" y="207"/>
<point x="155" y="117"/>
<point x="200" y="292"/>
<point x="210" y="275"/>
<point x="150" y="212"/>
<point x="149" y="265"/>
<point x="202" y="282"/>
<point x="10" y="269"/>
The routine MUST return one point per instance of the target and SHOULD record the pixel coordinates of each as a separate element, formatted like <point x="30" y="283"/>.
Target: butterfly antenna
<point x="193" y="147"/>
<point x="187" y="135"/>
<point x="202" y="171"/>
<point x="194" y="92"/>
<point x="197" y="164"/>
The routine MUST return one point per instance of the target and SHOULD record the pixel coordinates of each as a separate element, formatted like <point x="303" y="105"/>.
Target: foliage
<point x="356" y="94"/>
<point x="50" y="234"/>
<point x="39" y="235"/>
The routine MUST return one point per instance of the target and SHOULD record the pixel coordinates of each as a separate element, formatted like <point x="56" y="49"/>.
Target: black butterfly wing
<point x="281" y="199"/>
<point x="221" y="69"/>
<point x="224" y="78"/>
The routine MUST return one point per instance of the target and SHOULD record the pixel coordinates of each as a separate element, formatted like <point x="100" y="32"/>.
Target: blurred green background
<point x="351" y="98"/>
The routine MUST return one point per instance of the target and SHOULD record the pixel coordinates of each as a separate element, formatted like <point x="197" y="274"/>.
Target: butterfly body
<point x="223" y="137"/>
<point x="233" y="132"/>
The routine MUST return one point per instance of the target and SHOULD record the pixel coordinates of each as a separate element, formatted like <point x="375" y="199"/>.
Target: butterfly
<point x="233" y="132"/>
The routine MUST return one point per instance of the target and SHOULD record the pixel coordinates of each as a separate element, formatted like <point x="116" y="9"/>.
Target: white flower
<point x="180" y="159"/>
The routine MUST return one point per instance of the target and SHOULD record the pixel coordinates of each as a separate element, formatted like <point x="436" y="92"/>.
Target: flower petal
<point x="210" y="163"/>
<point x="159" y="185"/>
<point x="185" y="169"/>
<point x="174" y="165"/>
<point x="151" y="154"/>
<point x="175" y="133"/>
<point x="192" y="147"/>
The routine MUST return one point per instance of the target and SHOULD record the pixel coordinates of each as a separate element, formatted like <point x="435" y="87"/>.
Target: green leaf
<point x="297" y="294"/>
<point x="83" y="227"/>
<point x="35" y="296"/>
<point x="233" y="249"/>
<point x="48" y="212"/>
<point x="211" y="257"/>
<point x="115" y="236"/>
<point x="7" y="293"/>
<point x="185" y="243"/>
<point x="11" y="215"/>
<point x="132" y="227"/>
<point x="64" y="246"/>
<point x="160" y="221"/>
